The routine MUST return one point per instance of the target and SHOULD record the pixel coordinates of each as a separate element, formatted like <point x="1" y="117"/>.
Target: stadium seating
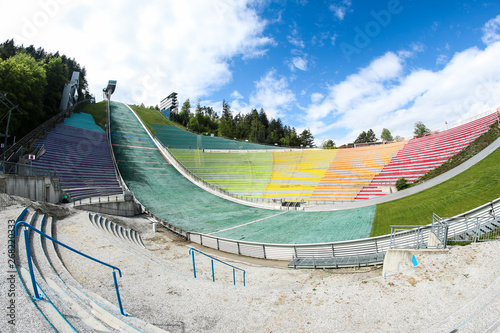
<point x="173" y="137"/>
<point x="353" y="169"/>
<point x="241" y="174"/>
<point x="81" y="158"/>
<point x="314" y="176"/>
<point x="317" y="175"/>
<point x="423" y="154"/>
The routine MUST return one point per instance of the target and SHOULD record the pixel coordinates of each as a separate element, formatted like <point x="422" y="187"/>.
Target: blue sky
<point x="335" y="67"/>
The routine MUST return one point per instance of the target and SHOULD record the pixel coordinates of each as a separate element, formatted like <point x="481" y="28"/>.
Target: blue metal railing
<point x="193" y="250"/>
<point x="30" y="264"/>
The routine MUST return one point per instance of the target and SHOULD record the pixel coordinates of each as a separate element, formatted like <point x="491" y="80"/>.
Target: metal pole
<point x="213" y="274"/>
<point x="6" y="136"/>
<point x="30" y="265"/>
<point x="118" y="294"/>
<point x="194" y="267"/>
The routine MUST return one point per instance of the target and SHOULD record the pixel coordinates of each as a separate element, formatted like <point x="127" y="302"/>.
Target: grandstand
<point x="423" y="154"/>
<point x="78" y="151"/>
<point x="316" y="176"/>
<point x="242" y="174"/>
<point x="173" y="137"/>
<point x="170" y="196"/>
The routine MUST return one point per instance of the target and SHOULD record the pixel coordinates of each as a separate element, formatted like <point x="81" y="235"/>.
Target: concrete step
<point x="101" y="308"/>
<point x="46" y="305"/>
<point x="65" y="304"/>
<point x="128" y="236"/>
<point x="61" y="295"/>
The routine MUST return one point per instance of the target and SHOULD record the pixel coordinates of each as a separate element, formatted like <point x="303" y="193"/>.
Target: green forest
<point x="34" y="80"/>
<point x="254" y="126"/>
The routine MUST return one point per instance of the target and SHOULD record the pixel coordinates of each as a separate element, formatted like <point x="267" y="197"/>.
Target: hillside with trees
<point x="255" y="126"/>
<point x="34" y="80"/>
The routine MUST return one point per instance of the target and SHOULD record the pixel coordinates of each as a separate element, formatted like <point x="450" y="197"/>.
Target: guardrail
<point x="351" y="248"/>
<point x="30" y="264"/>
<point x="110" y="198"/>
<point x="31" y="171"/>
<point x="193" y="250"/>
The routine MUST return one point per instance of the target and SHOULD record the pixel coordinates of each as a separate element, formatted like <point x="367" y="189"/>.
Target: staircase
<point x="65" y="304"/>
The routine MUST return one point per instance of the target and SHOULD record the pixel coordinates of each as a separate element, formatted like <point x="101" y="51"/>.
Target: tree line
<point x="255" y="126"/>
<point x="420" y="130"/>
<point x="34" y="80"/>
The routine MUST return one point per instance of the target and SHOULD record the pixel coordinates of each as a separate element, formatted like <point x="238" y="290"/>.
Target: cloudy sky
<point x="337" y="67"/>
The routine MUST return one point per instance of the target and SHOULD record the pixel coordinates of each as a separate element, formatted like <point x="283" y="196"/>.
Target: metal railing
<point x="409" y="236"/>
<point x="30" y="264"/>
<point x="100" y="199"/>
<point x="351" y="248"/>
<point x="478" y="229"/>
<point x="31" y="171"/>
<point x="193" y="250"/>
<point x="40" y="130"/>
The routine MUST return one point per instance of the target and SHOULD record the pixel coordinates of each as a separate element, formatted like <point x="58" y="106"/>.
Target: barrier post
<point x="194" y="267"/>
<point x="213" y="273"/>
<point x="30" y="264"/>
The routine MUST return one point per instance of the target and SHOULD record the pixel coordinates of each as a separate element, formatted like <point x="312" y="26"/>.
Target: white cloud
<point x="272" y="94"/>
<point x="491" y="31"/>
<point x="151" y="48"/>
<point x="299" y="63"/>
<point x="340" y="9"/>
<point x="236" y="95"/>
<point x="334" y="38"/>
<point x="387" y="94"/>
<point x="316" y="97"/>
<point x="442" y="59"/>
<point x="295" y="39"/>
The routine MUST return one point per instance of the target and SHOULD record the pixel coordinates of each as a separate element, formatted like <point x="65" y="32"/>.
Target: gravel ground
<point x="460" y="289"/>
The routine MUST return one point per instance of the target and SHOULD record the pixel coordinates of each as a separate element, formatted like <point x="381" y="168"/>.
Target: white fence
<point x="414" y="238"/>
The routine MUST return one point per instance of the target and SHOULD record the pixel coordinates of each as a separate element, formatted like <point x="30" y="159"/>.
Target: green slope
<point x="472" y="188"/>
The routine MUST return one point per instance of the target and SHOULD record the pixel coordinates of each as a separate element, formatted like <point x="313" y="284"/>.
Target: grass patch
<point x="459" y="243"/>
<point x="98" y="112"/>
<point x="151" y="116"/>
<point x="472" y="188"/>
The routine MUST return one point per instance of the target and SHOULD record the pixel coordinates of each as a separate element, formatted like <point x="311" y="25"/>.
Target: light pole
<point x="11" y="107"/>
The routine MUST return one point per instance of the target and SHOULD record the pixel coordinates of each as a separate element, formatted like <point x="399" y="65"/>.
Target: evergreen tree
<point x="306" y="138"/>
<point x="226" y="124"/>
<point x="386" y="135"/>
<point x="328" y="144"/>
<point x="185" y="113"/>
<point x="366" y="137"/>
